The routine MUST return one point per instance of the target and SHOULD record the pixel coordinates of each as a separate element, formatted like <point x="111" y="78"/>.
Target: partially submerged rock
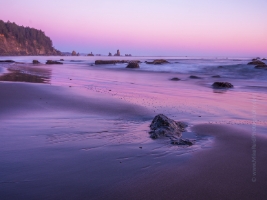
<point x="163" y="126"/>
<point x="256" y="62"/>
<point x="175" y="79"/>
<point x="222" y="85"/>
<point x="35" y="62"/>
<point x="259" y="64"/>
<point x="216" y="76"/>
<point x="51" y="62"/>
<point x="157" y="62"/>
<point x="181" y="141"/>
<point x="61" y="59"/>
<point x="261" y="67"/>
<point x="8" y="61"/>
<point x="105" y="62"/>
<point x="194" y="77"/>
<point x="133" y="65"/>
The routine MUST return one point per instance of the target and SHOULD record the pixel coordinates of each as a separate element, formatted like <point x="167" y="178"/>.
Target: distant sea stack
<point x="23" y="41"/>
<point x="73" y="53"/>
<point x="118" y="53"/>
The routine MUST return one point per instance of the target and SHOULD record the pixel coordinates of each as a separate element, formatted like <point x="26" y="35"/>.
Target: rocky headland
<point x="18" y="40"/>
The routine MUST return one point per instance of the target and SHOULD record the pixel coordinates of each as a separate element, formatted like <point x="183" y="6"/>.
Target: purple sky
<point x="167" y="28"/>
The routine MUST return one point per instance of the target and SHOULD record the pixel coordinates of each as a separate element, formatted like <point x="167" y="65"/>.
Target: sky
<point x="235" y="28"/>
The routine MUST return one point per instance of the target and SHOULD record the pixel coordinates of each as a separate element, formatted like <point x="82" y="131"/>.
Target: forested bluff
<point x="18" y="40"/>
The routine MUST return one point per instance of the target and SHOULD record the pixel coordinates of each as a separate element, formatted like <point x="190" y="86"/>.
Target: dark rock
<point x="261" y="67"/>
<point x="181" y="141"/>
<point x="163" y="126"/>
<point x="195" y="77"/>
<point x="175" y="79"/>
<point x="61" y="60"/>
<point x="90" y="54"/>
<point x="157" y="62"/>
<point x="216" y="76"/>
<point x="8" y="61"/>
<point x="35" y="62"/>
<point x="104" y="62"/>
<point x="264" y="59"/>
<point x="109" y="54"/>
<point x="222" y="85"/>
<point x="51" y="62"/>
<point x="256" y="62"/>
<point x="133" y="65"/>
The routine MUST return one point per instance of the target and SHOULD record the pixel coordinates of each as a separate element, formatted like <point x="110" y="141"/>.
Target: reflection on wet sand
<point x="219" y="91"/>
<point x="27" y="74"/>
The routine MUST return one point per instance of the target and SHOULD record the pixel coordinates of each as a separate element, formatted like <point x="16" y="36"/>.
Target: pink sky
<point x="171" y="27"/>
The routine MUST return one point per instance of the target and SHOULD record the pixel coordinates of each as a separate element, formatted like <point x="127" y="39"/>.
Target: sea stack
<point x="118" y="53"/>
<point x="74" y="53"/>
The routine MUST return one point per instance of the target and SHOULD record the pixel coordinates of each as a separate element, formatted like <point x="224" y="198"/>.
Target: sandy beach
<point x="81" y="131"/>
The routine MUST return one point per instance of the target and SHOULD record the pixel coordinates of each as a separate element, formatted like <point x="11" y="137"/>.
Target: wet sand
<point x="85" y="136"/>
<point x="223" y="171"/>
<point x="20" y="99"/>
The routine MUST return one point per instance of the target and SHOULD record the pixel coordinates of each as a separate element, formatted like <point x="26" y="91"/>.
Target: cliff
<point x="22" y="41"/>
